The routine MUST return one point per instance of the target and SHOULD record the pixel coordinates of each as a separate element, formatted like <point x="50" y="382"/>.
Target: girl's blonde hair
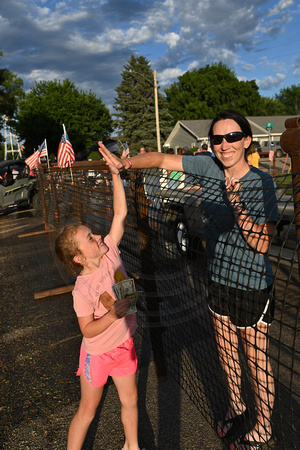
<point x="66" y="246"/>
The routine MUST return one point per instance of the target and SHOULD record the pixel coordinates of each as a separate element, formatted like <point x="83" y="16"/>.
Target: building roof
<point x="193" y="132"/>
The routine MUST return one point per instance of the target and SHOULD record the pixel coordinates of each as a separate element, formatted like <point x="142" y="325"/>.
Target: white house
<point x="193" y="133"/>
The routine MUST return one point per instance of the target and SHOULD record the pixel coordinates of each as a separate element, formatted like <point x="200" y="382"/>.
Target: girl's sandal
<point x="232" y="423"/>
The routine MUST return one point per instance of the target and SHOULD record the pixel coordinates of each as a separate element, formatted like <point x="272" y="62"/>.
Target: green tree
<point x="289" y="98"/>
<point x="201" y="93"/>
<point x="49" y="105"/>
<point x="135" y="107"/>
<point x="10" y="93"/>
<point x="271" y="107"/>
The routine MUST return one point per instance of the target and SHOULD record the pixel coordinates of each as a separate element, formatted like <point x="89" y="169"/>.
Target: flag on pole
<point x="43" y="150"/>
<point x="125" y="151"/>
<point x="65" y="154"/>
<point x="33" y="160"/>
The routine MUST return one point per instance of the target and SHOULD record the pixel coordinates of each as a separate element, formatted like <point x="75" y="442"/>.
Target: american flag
<point x="33" y="160"/>
<point x="43" y="150"/>
<point x="65" y="154"/>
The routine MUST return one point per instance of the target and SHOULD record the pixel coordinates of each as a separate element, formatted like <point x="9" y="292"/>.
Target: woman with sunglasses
<point x="238" y="204"/>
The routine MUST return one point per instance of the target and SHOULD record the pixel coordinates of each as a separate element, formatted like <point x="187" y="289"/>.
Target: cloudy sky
<point x="90" y="41"/>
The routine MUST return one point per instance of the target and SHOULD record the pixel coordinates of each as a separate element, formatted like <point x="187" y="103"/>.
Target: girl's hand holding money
<point x="119" y="308"/>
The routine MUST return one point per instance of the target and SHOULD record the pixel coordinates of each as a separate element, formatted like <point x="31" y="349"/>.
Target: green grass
<point x="284" y="182"/>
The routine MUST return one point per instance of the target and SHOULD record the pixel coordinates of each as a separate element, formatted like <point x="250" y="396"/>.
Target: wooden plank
<point x="53" y="292"/>
<point x="35" y="233"/>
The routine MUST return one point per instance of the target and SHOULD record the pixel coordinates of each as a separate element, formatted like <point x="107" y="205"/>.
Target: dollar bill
<point x="126" y="289"/>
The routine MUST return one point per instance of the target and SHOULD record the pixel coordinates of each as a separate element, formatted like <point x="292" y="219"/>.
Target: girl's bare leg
<point x="127" y="391"/>
<point x="90" y="398"/>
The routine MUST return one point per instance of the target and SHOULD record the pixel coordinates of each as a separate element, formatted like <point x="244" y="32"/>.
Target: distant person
<point x="186" y="151"/>
<point x="142" y="151"/>
<point x="107" y="347"/>
<point x="204" y="151"/>
<point x="253" y="156"/>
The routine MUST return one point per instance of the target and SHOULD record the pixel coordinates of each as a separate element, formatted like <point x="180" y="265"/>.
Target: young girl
<point x="107" y="347"/>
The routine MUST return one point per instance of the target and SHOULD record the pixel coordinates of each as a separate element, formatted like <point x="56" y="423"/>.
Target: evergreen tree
<point x="135" y="106"/>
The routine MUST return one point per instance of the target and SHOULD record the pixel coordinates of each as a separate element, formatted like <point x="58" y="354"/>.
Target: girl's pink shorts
<point x="119" y="362"/>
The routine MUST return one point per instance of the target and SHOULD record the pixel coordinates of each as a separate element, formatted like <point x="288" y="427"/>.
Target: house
<point x="194" y="132"/>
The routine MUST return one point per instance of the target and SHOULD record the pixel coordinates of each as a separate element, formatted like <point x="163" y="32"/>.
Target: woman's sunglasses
<point x="235" y="136"/>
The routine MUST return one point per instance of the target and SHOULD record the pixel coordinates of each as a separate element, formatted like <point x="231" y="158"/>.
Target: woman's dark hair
<point x="234" y="115"/>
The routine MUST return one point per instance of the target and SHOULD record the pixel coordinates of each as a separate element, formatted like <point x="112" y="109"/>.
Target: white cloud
<point x="168" y="76"/>
<point x="171" y="39"/>
<point x="271" y="81"/>
<point x="296" y="72"/>
<point x="83" y="45"/>
<point x="281" y="6"/>
<point x="45" y="19"/>
<point x="46" y="75"/>
<point x="130" y="36"/>
<point x="296" y="68"/>
<point x="193" y="65"/>
<point x="248" y="67"/>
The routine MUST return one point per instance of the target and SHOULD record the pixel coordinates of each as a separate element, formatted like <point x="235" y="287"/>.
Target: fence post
<point x="77" y="200"/>
<point x="55" y="202"/>
<point x="42" y="194"/>
<point x="290" y="143"/>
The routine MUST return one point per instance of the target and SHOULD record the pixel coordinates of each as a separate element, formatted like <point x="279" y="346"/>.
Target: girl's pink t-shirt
<point x="86" y="300"/>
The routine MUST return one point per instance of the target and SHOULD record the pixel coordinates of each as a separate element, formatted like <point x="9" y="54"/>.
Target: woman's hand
<point x="115" y="164"/>
<point x="258" y="236"/>
<point x="233" y="190"/>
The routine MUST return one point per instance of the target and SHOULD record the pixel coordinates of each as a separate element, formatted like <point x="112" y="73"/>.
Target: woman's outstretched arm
<point x="147" y="160"/>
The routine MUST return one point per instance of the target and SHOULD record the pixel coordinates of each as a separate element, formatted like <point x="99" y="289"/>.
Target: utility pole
<point x="156" y="113"/>
<point x="154" y="84"/>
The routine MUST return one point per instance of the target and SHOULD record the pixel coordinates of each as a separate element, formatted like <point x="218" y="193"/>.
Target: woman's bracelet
<point x="129" y="163"/>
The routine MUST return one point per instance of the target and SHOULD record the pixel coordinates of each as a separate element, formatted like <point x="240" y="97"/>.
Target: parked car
<point x="178" y="217"/>
<point x="275" y="146"/>
<point x="17" y="188"/>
